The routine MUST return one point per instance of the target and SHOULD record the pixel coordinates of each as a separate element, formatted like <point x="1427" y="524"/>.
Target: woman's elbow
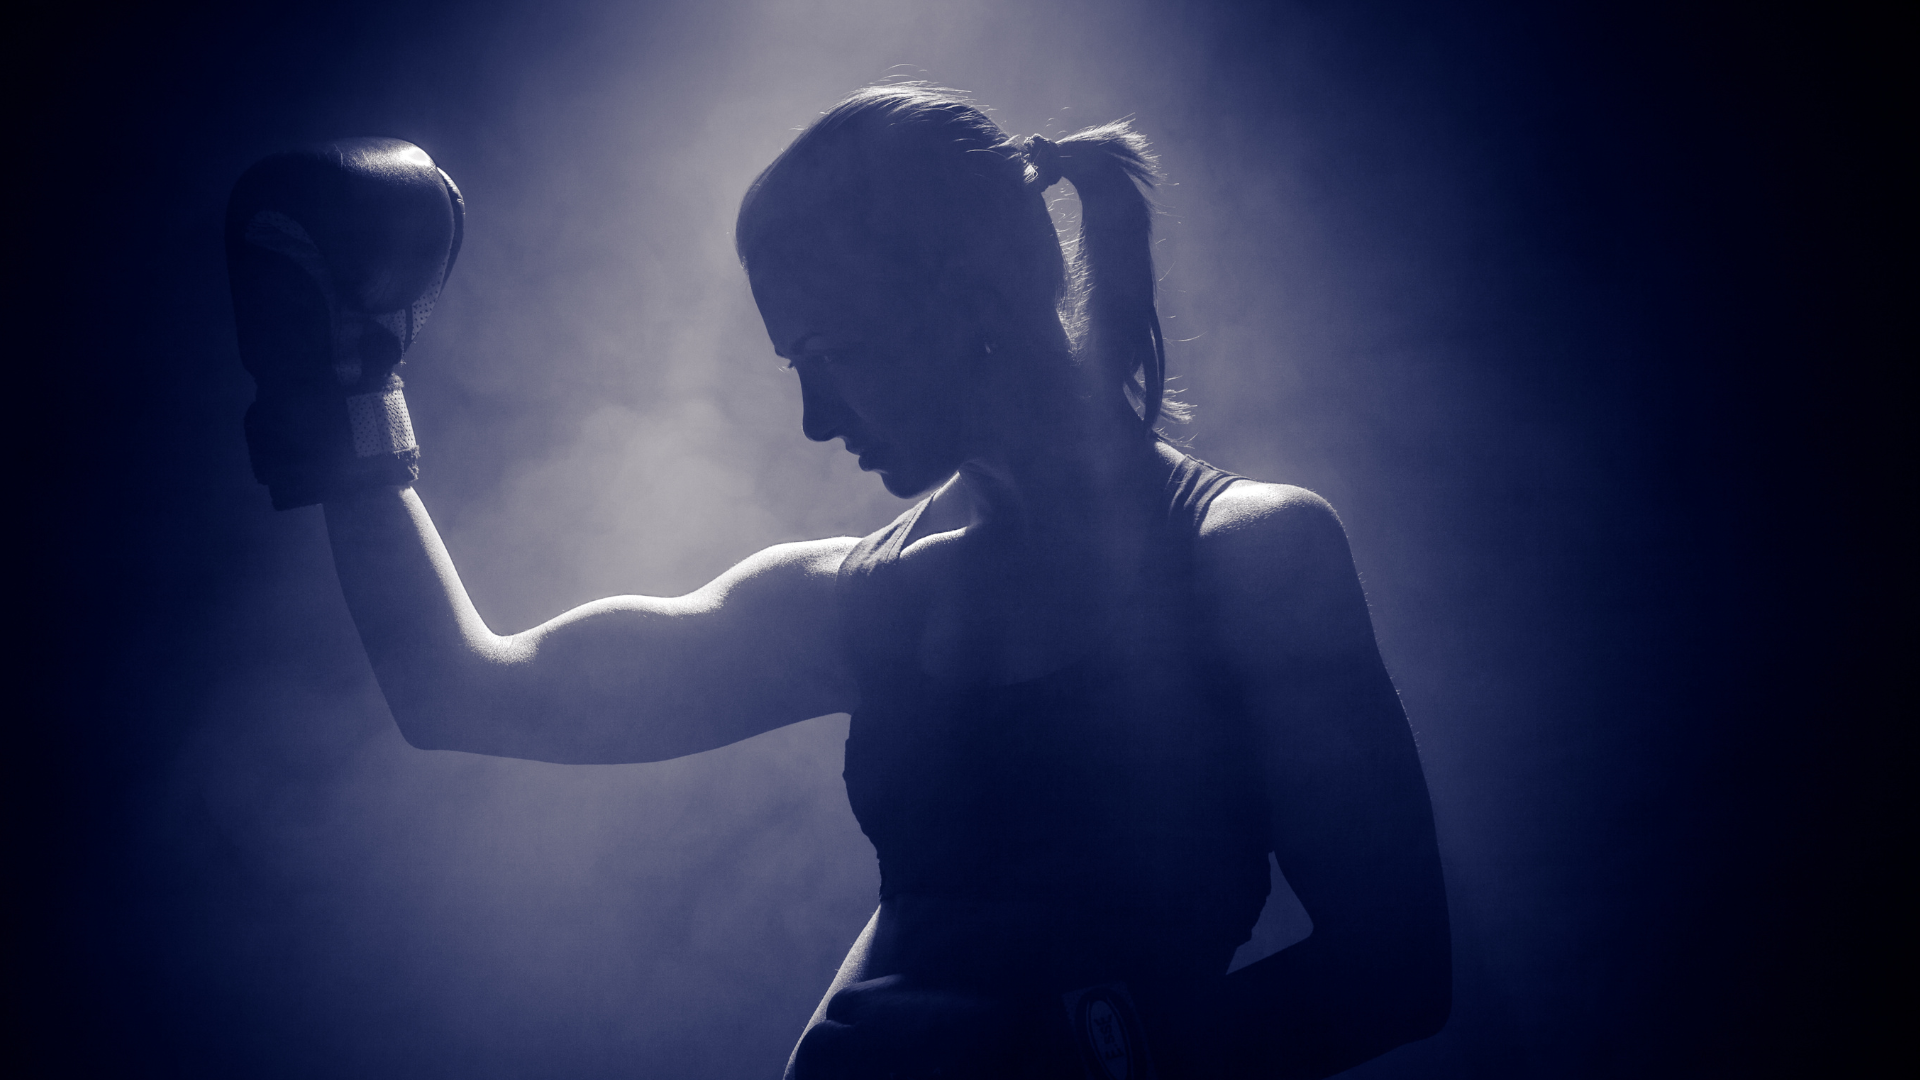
<point x="437" y="720"/>
<point x="448" y="705"/>
<point x="420" y="727"/>
<point x="420" y="736"/>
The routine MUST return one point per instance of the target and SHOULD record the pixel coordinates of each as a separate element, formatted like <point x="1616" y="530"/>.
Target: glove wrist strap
<point x="309" y="448"/>
<point x="380" y="423"/>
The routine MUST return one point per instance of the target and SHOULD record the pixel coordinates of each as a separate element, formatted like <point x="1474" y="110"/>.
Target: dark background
<point x="1582" y="315"/>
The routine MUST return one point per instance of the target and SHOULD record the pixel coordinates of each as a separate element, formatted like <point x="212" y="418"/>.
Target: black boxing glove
<point x="336" y="255"/>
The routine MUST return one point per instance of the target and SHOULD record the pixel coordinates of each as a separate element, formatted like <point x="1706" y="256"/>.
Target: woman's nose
<point x="823" y="413"/>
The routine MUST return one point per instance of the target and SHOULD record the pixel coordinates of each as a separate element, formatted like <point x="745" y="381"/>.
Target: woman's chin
<point x="908" y="483"/>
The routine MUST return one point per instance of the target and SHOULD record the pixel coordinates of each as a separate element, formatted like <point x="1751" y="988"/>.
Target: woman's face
<point x="882" y="366"/>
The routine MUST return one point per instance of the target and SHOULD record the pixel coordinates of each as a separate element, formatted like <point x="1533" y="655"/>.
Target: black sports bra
<point x="1111" y="806"/>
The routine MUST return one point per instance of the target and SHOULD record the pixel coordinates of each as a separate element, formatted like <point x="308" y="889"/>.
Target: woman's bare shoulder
<point x="1252" y="512"/>
<point x="1274" y="560"/>
<point x="1259" y="537"/>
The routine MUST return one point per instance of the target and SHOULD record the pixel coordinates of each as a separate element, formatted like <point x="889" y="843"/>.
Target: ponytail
<point x="1109" y="310"/>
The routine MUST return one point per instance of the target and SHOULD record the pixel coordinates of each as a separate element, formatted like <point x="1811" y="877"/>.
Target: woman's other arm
<point x="629" y="678"/>
<point x="1352" y="825"/>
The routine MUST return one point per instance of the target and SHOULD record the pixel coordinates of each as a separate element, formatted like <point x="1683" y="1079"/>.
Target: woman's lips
<point x="871" y="457"/>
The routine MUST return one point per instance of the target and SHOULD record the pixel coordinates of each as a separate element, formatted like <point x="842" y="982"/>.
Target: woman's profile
<point x="1094" y="681"/>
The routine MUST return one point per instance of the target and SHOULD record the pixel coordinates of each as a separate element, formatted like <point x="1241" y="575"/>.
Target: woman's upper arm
<point x="1351" y="823"/>
<point x="637" y="678"/>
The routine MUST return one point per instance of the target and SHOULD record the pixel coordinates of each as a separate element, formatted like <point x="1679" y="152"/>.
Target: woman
<point x="1094" y="681"/>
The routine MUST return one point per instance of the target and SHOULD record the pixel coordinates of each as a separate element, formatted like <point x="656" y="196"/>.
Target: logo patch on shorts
<point x="1106" y="1029"/>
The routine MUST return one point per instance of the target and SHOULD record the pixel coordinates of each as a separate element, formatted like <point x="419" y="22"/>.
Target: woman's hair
<point x="918" y="176"/>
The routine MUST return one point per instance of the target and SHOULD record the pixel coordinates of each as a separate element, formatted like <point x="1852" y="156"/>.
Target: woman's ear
<point x="988" y="319"/>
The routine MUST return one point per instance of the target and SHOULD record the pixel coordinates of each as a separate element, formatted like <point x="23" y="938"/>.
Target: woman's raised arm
<point x="336" y="254"/>
<point x="1351" y="823"/>
<point x="628" y="678"/>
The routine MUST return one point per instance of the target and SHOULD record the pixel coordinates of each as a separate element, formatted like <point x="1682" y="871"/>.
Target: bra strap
<point x="867" y="623"/>
<point x="1191" y="488"/>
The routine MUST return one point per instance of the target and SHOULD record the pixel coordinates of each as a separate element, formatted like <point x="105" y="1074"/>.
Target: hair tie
<point x="1043" y="159"/>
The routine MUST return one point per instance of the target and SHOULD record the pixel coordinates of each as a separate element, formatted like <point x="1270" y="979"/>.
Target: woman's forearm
<point x="433" y="655"/>
<point x="628" y="678"/>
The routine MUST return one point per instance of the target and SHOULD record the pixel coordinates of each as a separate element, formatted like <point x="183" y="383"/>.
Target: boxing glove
<point x="335" y="255"/>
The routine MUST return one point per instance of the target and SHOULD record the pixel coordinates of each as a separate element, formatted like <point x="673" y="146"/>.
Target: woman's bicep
<point x="635" y="678"/>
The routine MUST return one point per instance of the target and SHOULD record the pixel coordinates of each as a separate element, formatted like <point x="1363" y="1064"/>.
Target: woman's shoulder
<point x="1256" y="528"/>
<point x="1253" y="506"/>
<point x="1273" y="561"/>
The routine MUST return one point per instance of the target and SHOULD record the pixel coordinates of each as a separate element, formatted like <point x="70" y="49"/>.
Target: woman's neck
<point x="1059" y="481"/>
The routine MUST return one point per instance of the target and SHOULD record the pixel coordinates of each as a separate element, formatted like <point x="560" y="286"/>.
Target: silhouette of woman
<point x="1094" y="681"/>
